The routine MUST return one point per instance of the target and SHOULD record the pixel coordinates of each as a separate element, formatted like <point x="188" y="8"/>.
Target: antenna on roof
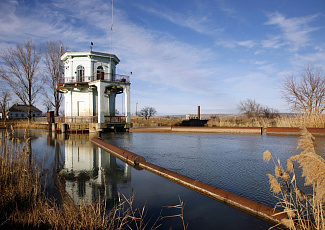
<point x="112" y="21"/>
<point x="111" y="45"/>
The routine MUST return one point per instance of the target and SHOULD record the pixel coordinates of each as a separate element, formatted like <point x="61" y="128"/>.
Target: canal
<point x="230" y="162"/>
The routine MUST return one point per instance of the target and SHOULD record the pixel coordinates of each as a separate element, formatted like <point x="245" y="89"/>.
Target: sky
<point x="183" y="54"/>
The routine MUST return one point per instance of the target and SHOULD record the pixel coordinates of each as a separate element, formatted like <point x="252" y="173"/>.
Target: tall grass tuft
<point x="305" y="210"/>
<point x="24" y="205"/>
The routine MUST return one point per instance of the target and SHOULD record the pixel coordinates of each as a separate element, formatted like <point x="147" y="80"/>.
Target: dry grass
<point x="22" y="125"/>
<point x="24" y="205"/>
<point x="308" y="121"/>
<point x="153" y="121"/>
<point x="305" y="211"/>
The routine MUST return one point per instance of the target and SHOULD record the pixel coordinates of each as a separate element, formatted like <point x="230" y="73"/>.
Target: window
<point x="80" y="73"/>
<point x="100" y="73"/>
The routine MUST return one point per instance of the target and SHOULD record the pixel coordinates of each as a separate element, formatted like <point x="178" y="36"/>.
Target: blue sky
<point x="212" y="53"/>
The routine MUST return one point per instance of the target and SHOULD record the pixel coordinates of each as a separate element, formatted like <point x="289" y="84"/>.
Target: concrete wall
<point x="90" y="65"/>
<point x="80" y="103"/>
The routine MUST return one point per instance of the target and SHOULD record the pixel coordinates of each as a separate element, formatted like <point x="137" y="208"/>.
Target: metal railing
<point x="77" y="119"/>
<point x="85" y="79"/>
<point x="115" y="119"/>
<point x="89" y="119"/>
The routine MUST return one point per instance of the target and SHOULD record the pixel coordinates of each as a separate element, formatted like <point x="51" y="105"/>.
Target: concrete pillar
<point x="100" y="102"/>
<point x="71" y="68"/>
<point x="111" y="108"/>
<point x="91" y="70"/>
<point x="127" y="104"/>
<point x="91" y="102"/>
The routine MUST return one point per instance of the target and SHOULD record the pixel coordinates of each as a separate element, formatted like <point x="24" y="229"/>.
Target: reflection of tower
<point x="83" y="169"/>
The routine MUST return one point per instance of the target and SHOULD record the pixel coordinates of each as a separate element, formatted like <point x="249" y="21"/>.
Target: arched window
<point x="100" y="73"/>
<point x="80" y="73"/>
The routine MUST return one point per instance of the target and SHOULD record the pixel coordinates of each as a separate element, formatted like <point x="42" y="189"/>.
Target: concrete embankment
<point x="231" y="130"/>
<point x="193" y="129"/>
<point x="293" y="131"/>
<point x="249" y="206"/>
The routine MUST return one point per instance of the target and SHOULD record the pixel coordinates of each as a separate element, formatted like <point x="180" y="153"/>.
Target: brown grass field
<point x="300" y="121"/>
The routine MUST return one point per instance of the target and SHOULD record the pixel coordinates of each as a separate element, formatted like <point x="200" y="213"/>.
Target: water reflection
<point x="90" y="171"/>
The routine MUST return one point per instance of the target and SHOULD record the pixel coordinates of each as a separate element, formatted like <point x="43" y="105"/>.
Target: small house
<point x="18" y="111"/>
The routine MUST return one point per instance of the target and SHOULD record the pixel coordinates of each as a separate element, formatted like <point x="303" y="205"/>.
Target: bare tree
<point x="54" y="68"/>
<point x="5" y="98"/>
<point x="254" y="109"/>
<point x="306" y="93"/>
<point x="20" y="72"/>
<point x="249" y="107"/>
<point x="147" y="112"/>
<point x="48" y="105"/>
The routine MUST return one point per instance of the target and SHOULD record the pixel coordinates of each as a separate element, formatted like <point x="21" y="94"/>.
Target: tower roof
<point x="89" y="54"/>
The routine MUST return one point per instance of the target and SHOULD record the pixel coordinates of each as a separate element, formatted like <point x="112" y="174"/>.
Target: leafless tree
<point x="306" y="93"/>
<point x="48" y="105"/>
<point x="249" y="107"/>
<point x="147" y="112"/>
<point x="254" y="109"/>
<point x="20" y="72"/>
<point x="5" y="98"/>
<point x="54" y="69"/>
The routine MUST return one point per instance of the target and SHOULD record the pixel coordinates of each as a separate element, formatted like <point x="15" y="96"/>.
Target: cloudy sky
<point x="183" y="53"/>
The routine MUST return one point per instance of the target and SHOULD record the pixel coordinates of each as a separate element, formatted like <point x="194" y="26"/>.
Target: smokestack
<point x="198" y="113"/>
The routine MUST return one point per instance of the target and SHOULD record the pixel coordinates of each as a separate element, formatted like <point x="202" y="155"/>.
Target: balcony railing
<point x="89" y="119"/>
<point x="115" y="119"/>
<point x="78" y="119"/>
<point x="99" y="76"/>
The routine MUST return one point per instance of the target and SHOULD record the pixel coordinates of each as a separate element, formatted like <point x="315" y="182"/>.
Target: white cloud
<point x="248" y="43"/>
<point x="226" y="43"/>
<point x="274" y="42"/>
<point x="193" y="20"/>
<point x="296" y="32"/>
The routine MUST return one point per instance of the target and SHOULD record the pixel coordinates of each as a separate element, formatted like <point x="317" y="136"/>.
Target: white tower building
<point x="90" y="86"/>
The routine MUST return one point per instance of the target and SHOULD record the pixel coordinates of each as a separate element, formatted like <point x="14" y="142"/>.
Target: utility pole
<point x="136" y="109"/>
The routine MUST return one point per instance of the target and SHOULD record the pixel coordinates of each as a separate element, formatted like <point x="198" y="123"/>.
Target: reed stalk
<point x="304" y="210"/>
<point x="24" y="205"/>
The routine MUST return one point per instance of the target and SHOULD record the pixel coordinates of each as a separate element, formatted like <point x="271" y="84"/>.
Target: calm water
<point x="230" y="162"/>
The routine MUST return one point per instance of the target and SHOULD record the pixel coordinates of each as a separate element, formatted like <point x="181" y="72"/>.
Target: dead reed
<point x="301" y="120"/>
<point x="24" y="205"/>
<point x="305" y="211"/>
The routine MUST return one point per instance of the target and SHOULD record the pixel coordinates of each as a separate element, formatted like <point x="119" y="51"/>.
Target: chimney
<point x="198" y="113"/>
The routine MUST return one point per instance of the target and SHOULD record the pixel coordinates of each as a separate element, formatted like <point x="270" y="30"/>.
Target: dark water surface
<point x="231" y="162"/>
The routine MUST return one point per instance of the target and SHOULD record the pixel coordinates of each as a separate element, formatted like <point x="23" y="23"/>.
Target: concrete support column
<point x="111" y="109"/>
<point x="127" y="104"/>
<point x="91" y="70"/>
<point x="100" y="102"/>
<point x="91" y="102"/>
<point x="71" y="68"/>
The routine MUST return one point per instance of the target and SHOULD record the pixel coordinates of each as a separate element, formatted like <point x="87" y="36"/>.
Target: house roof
<point x="23" y="108"/>
<point x="89" y="54"/>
